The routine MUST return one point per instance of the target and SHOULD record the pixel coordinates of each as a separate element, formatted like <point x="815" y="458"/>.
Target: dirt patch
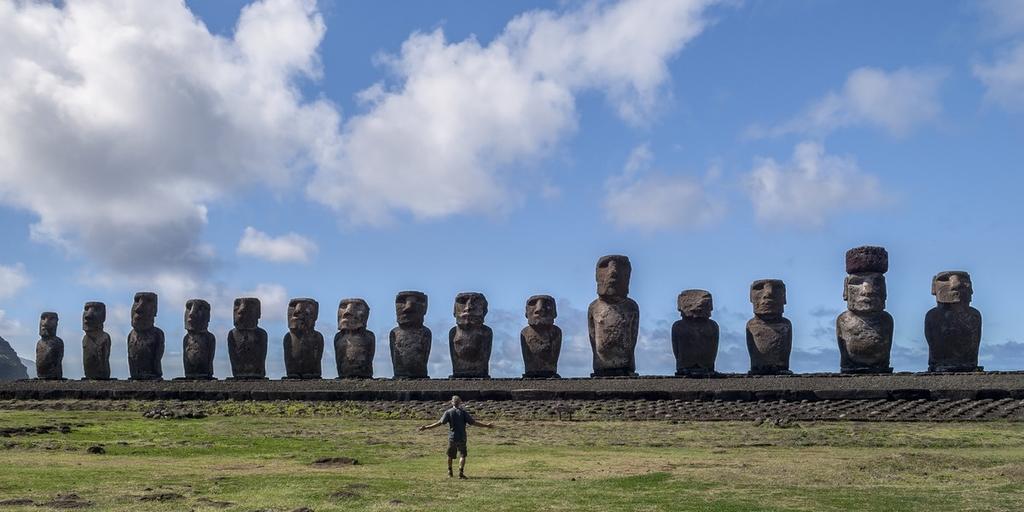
<point x="39" y="429"/>
<point x="67" y="501"/>
<point x="330" y="462"/>
<point x="161" y="496"/>
<point x="16" y="502"/>
<point x="343" y="495"/>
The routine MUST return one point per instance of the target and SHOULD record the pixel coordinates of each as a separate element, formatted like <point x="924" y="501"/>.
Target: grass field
<point x="260" y="462"/>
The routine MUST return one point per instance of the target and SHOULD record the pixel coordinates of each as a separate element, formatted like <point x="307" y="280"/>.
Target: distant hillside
<point x="11" y="367"/>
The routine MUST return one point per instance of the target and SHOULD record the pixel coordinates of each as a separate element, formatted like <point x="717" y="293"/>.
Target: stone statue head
<point x="94" y="314"/>
<point x="302" y="314"/>
<point x="246" y="312"/>
<point x="541" y="310"/>
<point x="48" y="325"/>
<point x="864" y="292"/>
<point x="613" y="273"/>
<point x="470" y="309"/>
<point x="144" y="310"/>
<point x="768" y="297"/>
<point x="352" y="314"/>
<point x="410" y="308"/>
<point x="695" y="304"/>
<point x="952" y="287"/>
<point x="197" y="315"/>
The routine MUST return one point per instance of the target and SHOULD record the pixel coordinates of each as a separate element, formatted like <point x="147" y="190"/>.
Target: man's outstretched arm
<point x="435" y="424"/>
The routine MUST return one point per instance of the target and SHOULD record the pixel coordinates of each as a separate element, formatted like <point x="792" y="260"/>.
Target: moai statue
<point x="953" y="328"/>
<point x="145" y="341"/>
<point x="695" y="335"/>
<point x="410" y="341"/>
<point x="769" y="334"/>
<point x="247" y="342"/>
<point x="541" y="339"/>
<point x="864" y="330"/>
<point x="354" y="345"/>
<point x="613" y="320"/>
<point x="49" y="349"/>
<point x="96" y="342"/>
<point x="303" y="345"/>
<point x="199" y="344"/>
<point x="469" y="342"/>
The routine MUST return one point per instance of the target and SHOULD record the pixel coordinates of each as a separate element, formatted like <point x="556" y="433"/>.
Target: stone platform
<point x="731" y="388"/>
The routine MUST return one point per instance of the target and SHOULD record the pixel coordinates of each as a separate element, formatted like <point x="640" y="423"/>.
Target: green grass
<point x="263" y="462"/>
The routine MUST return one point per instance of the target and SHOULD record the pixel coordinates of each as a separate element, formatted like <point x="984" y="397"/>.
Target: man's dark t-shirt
<point x="457" y="419"/>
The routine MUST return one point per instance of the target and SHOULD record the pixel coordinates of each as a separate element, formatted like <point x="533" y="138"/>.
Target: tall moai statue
<point x="541" y="339"/>
<point x="354" y="345"/>
<point x="613" y="320"/>
<point x="95" y="342"/>
<point x="49" y="349"/>
<point x="469" y="342"/>
<point x="695" y="335"/>
<point x="953" y="328"/>
<point x="410" y="341"/>
<point x="303" y="345"/>
<point x="769" y="334"/>
<point x="199" y="344"/>
<point x="864" y="330"/>
<point x="247" y="342"/>
<point x="145" y="341"/>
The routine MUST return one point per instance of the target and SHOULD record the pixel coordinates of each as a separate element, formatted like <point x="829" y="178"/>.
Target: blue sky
<point x="289" y="148"/>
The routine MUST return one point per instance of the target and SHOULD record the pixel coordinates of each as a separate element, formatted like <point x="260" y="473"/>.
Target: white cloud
<point x="124" y="120"/>
<point x="1003" y="17"/>
<point x="461" y="116"/>
<point x="897" y="101"/>
<point x="291" y="247"/>
<point x="1004" y="78"/>
<point x="639" y="199"/>
<point x="13" y="279"/>
<point x="810" y="187"/>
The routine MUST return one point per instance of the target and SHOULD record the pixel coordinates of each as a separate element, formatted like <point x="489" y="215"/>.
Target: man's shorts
<point x="456" y="447"/>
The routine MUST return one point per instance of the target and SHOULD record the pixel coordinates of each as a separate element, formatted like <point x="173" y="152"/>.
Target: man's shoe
<point x="450" y="473"/>
<point x="462" y="475"/>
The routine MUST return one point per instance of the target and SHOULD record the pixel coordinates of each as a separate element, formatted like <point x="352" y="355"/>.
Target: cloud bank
<point x="810" y="188"/>
<point x="289" y="248"/>
<point x="125" y="121"/>
<point x="896" y="101"/>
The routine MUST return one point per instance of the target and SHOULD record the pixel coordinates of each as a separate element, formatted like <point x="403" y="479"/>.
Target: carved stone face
<point x="93" y="316"/>
<point x="541" y="310"/>
<point x="470" y="309"/>
<point x="353" y="314"/>
<point x="246" y="312"/>
<point x="48" y="325"/>
<point x="197" y="315"/>
<point x="302" y="314"/>
<point x="410" y="308"/>
<point x="695" y="304"/>
<point x="144" y="310"/>
<point x="952" y="287"/>
<point x="768" y="297"/>
<point x="865" y="292"/>
<point x="613" y="276"/>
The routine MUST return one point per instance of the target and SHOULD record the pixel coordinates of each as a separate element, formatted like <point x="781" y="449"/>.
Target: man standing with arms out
<point x="457" y="418"/>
